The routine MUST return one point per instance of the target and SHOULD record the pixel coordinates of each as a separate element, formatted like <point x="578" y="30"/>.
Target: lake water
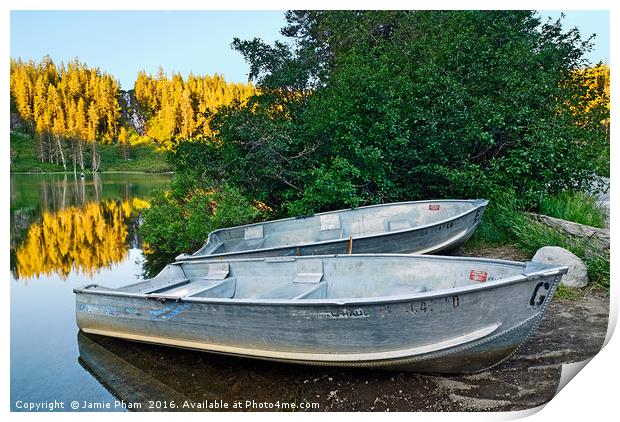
<point x="67" y="232"/>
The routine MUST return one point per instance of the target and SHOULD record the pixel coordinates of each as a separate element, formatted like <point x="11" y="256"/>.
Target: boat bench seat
<point x="154" y="285"/>
<point x="223" y="289"/>
<point x="245" y="245"/>
<point x="210" y="249"/>
<point x="296" y="291"/>
<point x="330" y="234"/>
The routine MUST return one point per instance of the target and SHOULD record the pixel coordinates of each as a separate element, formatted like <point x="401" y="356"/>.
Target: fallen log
<point x="599" y="237"/>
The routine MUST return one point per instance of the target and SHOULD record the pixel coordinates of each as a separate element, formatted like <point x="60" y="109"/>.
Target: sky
<point x="588" y="22"/>
<point x="125" y="42"/>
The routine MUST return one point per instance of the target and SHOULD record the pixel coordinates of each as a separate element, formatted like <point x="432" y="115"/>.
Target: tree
<point x="58" y="126"/>
<point x="180" y="110"/>
<point x="80" y="130"/>
<point x="175" y="109"/>
<point x="59" y="103"/>
<point x="123" y="142"/>
<point x="92" y="133"/>
<point x="379" y="106"/>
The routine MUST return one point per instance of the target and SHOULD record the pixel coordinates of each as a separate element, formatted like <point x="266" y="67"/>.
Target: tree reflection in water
<point x="77" y="238"/>
<point x="61" y="223"/>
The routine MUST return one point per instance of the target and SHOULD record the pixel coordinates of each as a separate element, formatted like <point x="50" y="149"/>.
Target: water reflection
<point x="126" y="381"/>
<point x="67" y="232"/>
<point x="62" y="223"/>
<point x="84" y="238"/>
<point x="140" y="373"/>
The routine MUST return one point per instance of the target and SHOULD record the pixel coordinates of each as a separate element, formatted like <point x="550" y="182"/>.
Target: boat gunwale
<point x="546" y="271"/>
<point x="478" y="203"/>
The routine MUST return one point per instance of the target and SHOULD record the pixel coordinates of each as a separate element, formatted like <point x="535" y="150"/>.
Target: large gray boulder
<point x="577" y="275"/>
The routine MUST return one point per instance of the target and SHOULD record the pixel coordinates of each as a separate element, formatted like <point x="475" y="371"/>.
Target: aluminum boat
<point x="414" y="312"/>
<point x="423" y="227"/>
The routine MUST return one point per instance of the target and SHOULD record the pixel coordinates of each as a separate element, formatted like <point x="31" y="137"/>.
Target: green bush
<point x="382" y="106"/>
<point x="180" y="220"/>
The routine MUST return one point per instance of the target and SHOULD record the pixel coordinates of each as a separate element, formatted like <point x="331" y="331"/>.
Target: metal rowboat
<point x="413" y="312"/>
<point x="422" y="227"/>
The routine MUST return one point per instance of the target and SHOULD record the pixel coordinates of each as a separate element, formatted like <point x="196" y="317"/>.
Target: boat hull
<point x="440" y="332"/>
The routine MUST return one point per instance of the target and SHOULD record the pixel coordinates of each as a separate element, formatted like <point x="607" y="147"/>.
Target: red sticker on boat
<point x="480" y="276"/>
<point x="433" y="207"/>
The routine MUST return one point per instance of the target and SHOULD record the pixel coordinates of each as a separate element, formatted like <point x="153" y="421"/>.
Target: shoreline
<point x="89" y="172"/>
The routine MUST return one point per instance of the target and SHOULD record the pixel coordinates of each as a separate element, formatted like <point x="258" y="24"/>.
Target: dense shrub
<point x="379" y="106"/>
<point x="181" y="219"/>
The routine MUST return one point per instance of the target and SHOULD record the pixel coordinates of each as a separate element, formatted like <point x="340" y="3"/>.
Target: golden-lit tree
<point x="593" y="106"/>
<point x="65" y="106"/>
<point x="181" y="109"/>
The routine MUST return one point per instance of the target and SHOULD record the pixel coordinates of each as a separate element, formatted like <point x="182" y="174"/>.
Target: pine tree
<point x="65" y="106"/>
<point x="54" y="103"/>
<point x="182" y="109"/>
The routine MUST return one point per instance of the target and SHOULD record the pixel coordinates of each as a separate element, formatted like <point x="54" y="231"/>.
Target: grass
<point x="24" y="159"/>
<point x="141" y="158"/>
<point x="566" y="293"/>
<point x="574" y="206"/>
<point x="505" y="222"/>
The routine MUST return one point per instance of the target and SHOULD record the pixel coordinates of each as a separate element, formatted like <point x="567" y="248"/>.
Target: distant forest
<point x="69" y="108"/>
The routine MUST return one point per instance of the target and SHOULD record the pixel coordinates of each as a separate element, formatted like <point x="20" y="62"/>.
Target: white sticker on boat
<point x="254" y="232"/>
<point x="330" y="222"/>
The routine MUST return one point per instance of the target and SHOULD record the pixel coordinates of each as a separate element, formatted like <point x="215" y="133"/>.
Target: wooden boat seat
<point x="296" y="291"/>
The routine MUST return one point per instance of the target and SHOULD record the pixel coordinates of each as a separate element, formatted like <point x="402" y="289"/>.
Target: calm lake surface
<point x="67" y="232"/>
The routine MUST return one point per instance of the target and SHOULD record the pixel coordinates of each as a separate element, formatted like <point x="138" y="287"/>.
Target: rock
<point x="601" y="193"/>
<point x="131" y="112"/>
<point x="577" y="275"/>
<point x="16" y="123"/>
